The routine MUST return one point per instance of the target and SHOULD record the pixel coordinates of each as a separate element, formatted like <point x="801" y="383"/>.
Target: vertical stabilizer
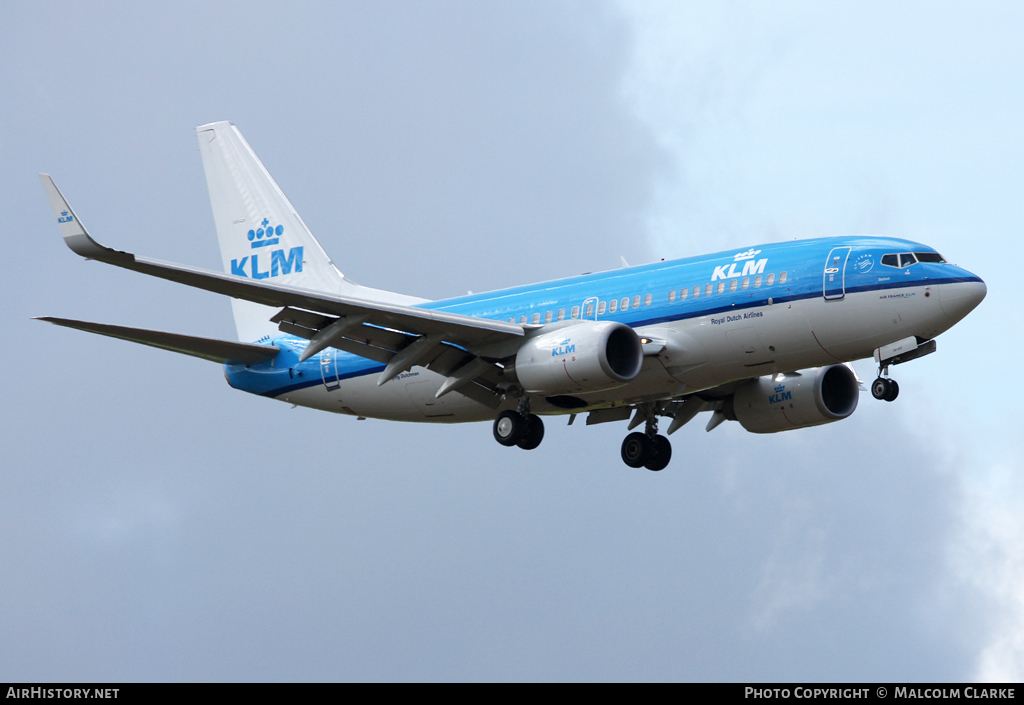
<point x="261" y="236"/>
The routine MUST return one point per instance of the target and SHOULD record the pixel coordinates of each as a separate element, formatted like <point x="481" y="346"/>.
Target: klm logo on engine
<point x="280" y="263"/>
<point x="751" y="267"/>
<point x="65" y="217"/>
<point x="564" y="348"/>
<point x="780" y="395"/>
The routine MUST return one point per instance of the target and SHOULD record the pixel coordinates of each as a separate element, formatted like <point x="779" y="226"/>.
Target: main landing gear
<point x="519" y="428"/>
<point x="648" y="449"/>
<point x="883" y="387"/>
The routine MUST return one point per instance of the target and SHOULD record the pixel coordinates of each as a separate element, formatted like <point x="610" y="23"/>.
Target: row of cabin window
<point x="614" y="305"/>
<point x="734" y="284"/>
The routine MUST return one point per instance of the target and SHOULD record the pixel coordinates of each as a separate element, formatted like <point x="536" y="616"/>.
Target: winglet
<point x="74" y="233"/>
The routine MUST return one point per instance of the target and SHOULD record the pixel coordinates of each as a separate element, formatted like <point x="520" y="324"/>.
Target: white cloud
<point x="989" y="556"/>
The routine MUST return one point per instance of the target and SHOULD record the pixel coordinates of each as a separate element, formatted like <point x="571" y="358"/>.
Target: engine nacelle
<point x="588" y="357"/>
<point x="813" y="397"/>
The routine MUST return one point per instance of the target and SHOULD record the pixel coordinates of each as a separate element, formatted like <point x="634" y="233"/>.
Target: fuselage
<point x="717" y="319"/>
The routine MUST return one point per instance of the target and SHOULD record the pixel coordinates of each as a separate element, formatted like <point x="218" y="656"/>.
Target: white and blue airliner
<point x="763" y="335"/>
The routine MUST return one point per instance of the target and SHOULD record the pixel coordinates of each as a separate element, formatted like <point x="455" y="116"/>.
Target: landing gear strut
<point x="519" y="428"/>
<point x="883" y="387"/>
<point x="648" y="449"/>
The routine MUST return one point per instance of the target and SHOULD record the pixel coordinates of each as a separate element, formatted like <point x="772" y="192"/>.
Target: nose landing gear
<point x="883" y="387"/>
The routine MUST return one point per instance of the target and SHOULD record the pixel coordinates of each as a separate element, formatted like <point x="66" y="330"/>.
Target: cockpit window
<point x="891" y="260"/>
<point x="907" y="259"/>
<point x="930" y="257"/>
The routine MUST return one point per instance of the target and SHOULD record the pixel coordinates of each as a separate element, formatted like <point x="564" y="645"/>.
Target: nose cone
<point x="960" y="298"/>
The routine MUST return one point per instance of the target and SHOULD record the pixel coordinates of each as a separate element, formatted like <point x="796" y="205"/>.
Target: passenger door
<point x="834" y="277"/>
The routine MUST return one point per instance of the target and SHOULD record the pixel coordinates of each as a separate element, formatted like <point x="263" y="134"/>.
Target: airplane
<point x="763" y="336"/>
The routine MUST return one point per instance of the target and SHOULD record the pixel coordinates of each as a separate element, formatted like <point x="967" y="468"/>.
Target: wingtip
<point x="74" y="233"/>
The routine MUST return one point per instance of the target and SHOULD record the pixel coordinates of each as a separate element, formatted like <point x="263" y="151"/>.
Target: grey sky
<point x="155" y="524"/>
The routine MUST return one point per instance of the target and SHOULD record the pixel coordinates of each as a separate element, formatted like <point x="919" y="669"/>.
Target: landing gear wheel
<point x="880" y="388"/>
<point x="659" y="454"/>
<point x="894" y="391"/>
<point x="886" y="389"/>
<point x="533" y="434"/>
<point x="635" y="449"/>
<point x="509" y="428"/>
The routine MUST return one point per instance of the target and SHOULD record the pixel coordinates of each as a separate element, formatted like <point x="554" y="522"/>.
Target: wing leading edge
<point x="455" y="328"/>
<point x="387" y="332"/>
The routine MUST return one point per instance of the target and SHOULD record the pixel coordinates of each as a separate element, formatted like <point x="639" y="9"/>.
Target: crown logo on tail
<point x="265" y="235"/>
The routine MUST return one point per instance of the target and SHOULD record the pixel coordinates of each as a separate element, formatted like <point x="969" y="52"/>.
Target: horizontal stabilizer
<point x="207" y="348"/>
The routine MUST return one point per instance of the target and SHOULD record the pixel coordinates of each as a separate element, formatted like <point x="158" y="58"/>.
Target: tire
<point x="894" y="391"/>
<point x="509" y="427"/>
<point x="635" y="449"/>
<point x="880" y="388"/>
<point x="660" y="454"/>
<point x="534" y="433"/>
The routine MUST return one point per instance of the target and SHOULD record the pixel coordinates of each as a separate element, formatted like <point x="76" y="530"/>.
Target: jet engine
<point x="805" y="398"/>
<point x="588" y="357"/>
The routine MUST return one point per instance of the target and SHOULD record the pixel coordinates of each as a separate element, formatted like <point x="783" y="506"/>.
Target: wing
<point x="223" y="351"/>
<point x="400" y="336"/>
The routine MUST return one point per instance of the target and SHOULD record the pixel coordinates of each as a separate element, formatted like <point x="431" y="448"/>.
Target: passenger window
<point x="561" y="314"/>
<point x="682" y="294"/>
<point x="746" y="283"/>
<point x="891" y="260"/>
<point x="757" y="282"/>
<point x="624" y="305"/>
<point x="721" y="287"/>
<point x="783" y="277"/>
<point x="601" y="307"/>
<point x="547" y="317"/>
<point x="536" y="318"/>
<point x="613" y="306"/>
<point x="523" y="320"/>
<point x="590" y="310"/>
<point x="672" y="296"/>
<point x="907" y="259"/>
<point x="696" y="291"/>
<point x="771" y="279"/>
<point x="636" y="302"/>
<point x="708" y="289"/>
<point x="575" y="311"/>
<point x="734" y="284"/>
<point x="648" y="299"/>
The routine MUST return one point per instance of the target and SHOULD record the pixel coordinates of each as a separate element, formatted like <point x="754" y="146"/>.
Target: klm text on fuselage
<point x="750" y="268"/>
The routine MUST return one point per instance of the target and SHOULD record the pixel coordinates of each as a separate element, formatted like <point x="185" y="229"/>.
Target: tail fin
<point x="261" y="236"/>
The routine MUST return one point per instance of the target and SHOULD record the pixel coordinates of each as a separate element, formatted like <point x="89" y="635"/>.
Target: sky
<point x="157" y="525"/>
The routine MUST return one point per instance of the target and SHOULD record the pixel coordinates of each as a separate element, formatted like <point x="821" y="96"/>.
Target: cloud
<point x="989" y="556"/>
